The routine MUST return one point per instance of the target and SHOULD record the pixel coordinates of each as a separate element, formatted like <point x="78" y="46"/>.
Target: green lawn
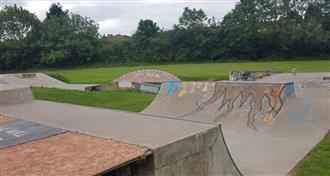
<point x="114" y="99"/>
<point x="209" y="71"/>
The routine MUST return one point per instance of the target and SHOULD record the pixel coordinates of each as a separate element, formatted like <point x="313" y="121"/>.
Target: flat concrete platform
<point x="17" y="131"/>
<point x="123" y="126"/>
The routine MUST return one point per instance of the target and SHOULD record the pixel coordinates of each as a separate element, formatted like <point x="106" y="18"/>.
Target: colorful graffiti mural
<point x="265" y="100"/>
<point x="148" y="87"/>
<point x="183" y="88"/>
<point x="248" y="75"/>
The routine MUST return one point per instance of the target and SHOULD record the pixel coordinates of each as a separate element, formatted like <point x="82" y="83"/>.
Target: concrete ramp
<point x="211" y="102"/>
<point x="42" y="80"/>
<point x="267" y="126"/>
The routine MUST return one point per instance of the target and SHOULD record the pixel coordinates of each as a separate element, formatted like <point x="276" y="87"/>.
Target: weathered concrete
<point x="202" y="154"/>
<point x="19" y="131"/>
<point x="278" y="143"/>
<point x="41" y="80"/>
<point x="11" y="94"/>
<point x="178" y="146"/>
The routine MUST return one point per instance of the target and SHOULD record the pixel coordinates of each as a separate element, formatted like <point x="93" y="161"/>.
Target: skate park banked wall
<point x="179" y="147"/>
<point x="199" y="99"/>
<point x="268" y="127"/>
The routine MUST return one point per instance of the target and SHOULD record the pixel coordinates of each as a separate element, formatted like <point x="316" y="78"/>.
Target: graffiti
<point x="12" y="132"/>
<point x="307" y="106"/>
<point x="265" y="101"/>
<point x="248" y="75"/>
<point x="172" y="87"/>
<point x="183" y="88"/>
<point x="289" y="89"/>
<point x="148" y="87"/>
<point x="300" y="119"/>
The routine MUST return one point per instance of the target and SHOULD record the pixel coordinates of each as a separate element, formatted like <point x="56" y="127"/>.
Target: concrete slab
<point x="143" y="130"/>
<point x="19" y="131"/>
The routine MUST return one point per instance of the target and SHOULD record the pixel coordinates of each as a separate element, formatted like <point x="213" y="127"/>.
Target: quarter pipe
<point x="267" y="126"/>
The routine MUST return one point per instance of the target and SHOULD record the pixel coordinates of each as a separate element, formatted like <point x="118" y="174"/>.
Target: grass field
<point x="113" y="99"/>
<point x="209" y="71"/>
<point x="316" y="164"/>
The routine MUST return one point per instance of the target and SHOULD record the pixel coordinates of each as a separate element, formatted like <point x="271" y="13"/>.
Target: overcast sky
<point x="122" y="17"/>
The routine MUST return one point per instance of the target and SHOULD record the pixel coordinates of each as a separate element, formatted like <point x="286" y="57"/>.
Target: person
<point x="294" y="71"/>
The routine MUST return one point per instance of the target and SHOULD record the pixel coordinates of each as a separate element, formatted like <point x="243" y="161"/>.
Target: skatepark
<point x="261" y="127"/>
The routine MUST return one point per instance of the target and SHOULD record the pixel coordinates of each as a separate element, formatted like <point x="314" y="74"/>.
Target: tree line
<point x="254" y="29"/>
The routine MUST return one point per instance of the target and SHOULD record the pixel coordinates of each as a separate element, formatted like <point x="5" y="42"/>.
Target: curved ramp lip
<point x="228" y="151"/>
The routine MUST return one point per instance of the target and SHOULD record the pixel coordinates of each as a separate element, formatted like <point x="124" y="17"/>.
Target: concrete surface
<point x="40" y="80"/>
<point x="11" y="94"/>
<point x="178" y="146"/>
<point x="19" y="131"/>
<point x="277" y="145"/>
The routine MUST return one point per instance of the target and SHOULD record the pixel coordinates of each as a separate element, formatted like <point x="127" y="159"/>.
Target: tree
<point x="17" y="23"/>
<point x="146" y="29"/>
<point x="192" y="18"/>
<point x="18" y="38"/>
<point x="55" y="10"/>
<point x="69" y="40"/>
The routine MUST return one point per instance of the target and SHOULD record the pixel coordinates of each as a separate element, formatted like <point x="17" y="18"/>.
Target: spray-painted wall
<point x="248" y="75"/>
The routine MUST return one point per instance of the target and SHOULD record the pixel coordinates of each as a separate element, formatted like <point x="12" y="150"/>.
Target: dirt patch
<point x="68" y="153"/>
<point x="5" y="118"/>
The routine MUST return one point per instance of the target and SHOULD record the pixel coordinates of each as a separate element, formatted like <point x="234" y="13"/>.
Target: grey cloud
<point x="123" y="17"/>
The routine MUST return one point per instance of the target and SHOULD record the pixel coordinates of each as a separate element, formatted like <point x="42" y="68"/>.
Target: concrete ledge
<point x="12" y="94"/>
<point x="204" y="153"/>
